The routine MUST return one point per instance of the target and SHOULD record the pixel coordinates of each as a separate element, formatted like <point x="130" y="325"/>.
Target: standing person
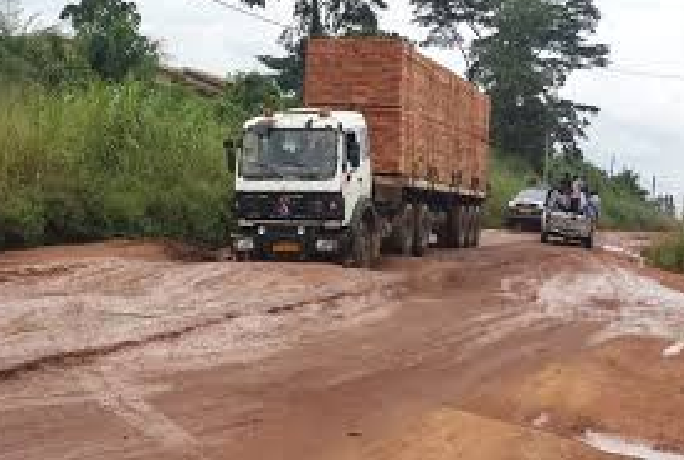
<point x="576" y="195"/>
<point x="564" y="195"/>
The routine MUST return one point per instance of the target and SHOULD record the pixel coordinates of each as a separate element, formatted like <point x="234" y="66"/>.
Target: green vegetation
<point x="110" y="160"/>
<point x="523" y="51"/>
<point x="624" y="203"/>
<point x="668" y="253"/>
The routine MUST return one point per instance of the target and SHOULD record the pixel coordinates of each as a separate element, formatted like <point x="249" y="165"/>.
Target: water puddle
<point x="619" y="446"/>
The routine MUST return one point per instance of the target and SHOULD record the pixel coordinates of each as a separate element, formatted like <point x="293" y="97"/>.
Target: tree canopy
<point x="109" y="32"/>
<point x="318" y="18"/>
<point x="521" y="52"/>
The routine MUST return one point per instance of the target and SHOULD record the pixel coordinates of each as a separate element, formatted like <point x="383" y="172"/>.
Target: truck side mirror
<point x="353" y="151"/>
<point x="232" y="150"/>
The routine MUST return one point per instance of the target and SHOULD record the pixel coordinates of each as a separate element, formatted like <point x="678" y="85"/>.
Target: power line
<point x="614" y="70"/>
<point x="643" y="73"/>
<point x="252" y="14"/>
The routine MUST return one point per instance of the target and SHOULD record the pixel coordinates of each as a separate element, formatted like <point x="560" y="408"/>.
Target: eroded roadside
<point x="131" y="353"/>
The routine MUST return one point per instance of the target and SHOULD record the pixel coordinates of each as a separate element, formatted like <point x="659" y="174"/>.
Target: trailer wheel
<point x="452" y="230"/>
<point x="477" y="226"/>
<point x="468" y="227"/>
<point x="421" y="230"/>
<point x="462" y="233"/>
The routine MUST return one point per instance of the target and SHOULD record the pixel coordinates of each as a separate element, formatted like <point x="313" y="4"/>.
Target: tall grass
<point x="108" y="161"/>
<point x="668" y="253"/>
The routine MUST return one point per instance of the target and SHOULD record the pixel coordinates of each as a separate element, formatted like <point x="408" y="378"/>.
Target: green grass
<point x="128" y="160"/>
<point x="668" y="252"/>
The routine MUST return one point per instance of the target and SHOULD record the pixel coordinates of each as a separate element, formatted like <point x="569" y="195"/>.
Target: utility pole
<point x="549" y="137"/>
<point x="612" y="165"/>
<point x="654" y="186"/>
<point x="546" y="158"/>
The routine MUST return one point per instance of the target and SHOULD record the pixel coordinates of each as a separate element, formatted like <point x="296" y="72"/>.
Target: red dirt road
<point x="511" y="351"/>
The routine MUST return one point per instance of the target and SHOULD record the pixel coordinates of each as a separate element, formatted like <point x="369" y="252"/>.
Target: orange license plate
<point x="287" y="247"/>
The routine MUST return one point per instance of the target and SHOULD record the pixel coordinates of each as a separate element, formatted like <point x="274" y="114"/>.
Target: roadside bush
<point x="668" y="253"/>
<point x="124" y="160"/>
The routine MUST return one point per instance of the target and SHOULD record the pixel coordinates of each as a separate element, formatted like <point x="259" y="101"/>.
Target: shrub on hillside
<point x="110" y="160"/>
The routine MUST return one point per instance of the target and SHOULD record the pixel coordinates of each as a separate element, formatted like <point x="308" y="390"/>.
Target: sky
<point x="641" y="123"/>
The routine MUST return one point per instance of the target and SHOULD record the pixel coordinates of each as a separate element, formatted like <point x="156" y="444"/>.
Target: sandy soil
<point x="128" y="350"/>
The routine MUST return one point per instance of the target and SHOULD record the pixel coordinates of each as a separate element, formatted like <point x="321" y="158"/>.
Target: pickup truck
<point x="559" y="223"/>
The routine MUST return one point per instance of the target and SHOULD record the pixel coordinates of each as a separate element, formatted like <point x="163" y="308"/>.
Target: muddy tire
<point x="242" y="257"/>
<point x="454" y="228"/>
<point x="469" y="227"/>
<point x="544" y="238"/>
<point x="477" y="226"/>
<point x="362" y="250"/>
<point x="588" y="243"/>
<point x="462" y="233"/>
<point x="421" y="230"/>
<point x="402" y="233"/>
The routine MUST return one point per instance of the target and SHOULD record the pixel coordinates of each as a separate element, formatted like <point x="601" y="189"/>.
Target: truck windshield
<point x="290" y="153"/>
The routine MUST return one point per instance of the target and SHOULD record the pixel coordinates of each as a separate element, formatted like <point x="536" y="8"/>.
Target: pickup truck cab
<point x="561" y="223"/>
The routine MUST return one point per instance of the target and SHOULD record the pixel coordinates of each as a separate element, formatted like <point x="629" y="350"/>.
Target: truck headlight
<point x="244" y="244"/>
<point x="327" y="245"/>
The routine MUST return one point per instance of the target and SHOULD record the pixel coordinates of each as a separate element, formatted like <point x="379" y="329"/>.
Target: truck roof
<point x="297" y="118"/>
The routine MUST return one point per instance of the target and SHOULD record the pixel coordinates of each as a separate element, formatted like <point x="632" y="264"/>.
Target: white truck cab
<point x="300" y="176"/>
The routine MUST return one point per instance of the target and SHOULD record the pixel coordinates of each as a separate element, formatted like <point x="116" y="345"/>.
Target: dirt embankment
<point x="511" y="351"/>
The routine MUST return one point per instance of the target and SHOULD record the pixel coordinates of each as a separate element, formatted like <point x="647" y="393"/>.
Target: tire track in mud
<point x="88" y="355"/>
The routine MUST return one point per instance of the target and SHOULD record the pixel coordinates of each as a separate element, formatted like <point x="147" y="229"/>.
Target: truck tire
<point x="462" y="235"/>
<point x="362" y="250"/>
<point x="588" y="242"/>
<point x="421" y="229"/>
<point x="469" y="227"/>
<point x="477" y="226"/>
<point x="402" y="232"/>
<point x="453" y="227"/>
<point x="544" y="237"/>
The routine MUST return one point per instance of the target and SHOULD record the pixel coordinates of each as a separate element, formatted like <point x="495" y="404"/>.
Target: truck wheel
<point x="477" y="226"/>
<point x="588" y="242"/>
<point x="362" y="246"/>
<point x="462" y="235"/>
<point x="469" y="227"/>
<point x="421" y="230"/>
<point x="452" y="229"/>
<point x="402" y="232"/>
<point x="544" y="237"/>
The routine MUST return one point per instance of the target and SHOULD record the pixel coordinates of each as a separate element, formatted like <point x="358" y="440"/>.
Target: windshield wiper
<point x="295" y="163"/>
<point x="269" y="168"/>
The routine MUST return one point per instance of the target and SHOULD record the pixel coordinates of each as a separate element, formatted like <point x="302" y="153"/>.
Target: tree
<point x="248" y="94"/>
<point x="33" y="54"/>
<point x="109" y="32"/>
<point x="521" y="51"/>
<point x="318" y="18"/>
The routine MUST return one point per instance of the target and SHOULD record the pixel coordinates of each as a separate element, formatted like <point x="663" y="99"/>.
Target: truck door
<point x="356" y="178"/>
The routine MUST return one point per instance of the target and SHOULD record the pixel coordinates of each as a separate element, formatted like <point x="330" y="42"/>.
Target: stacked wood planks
<point x="425" y="122"/>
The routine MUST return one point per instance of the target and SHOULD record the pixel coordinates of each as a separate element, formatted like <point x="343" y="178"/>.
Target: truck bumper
<point x="273" y="241"/>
